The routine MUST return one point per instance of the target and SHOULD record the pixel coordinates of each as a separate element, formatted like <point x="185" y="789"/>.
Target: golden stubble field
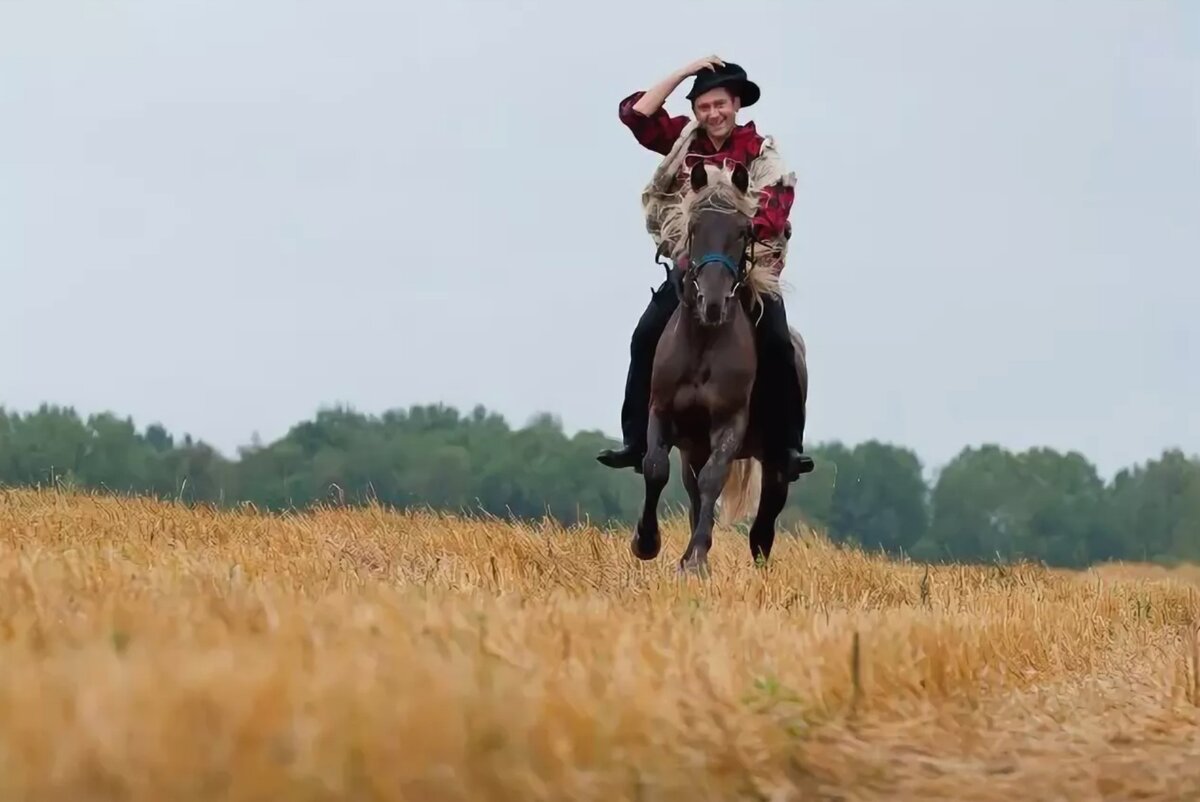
<point x="152" y="652"/>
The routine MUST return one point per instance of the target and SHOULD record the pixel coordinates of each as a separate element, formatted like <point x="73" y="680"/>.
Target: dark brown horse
<point x="704" y="375"/>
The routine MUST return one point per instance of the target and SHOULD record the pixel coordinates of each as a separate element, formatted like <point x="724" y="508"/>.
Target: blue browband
<point x="717" y="257"/>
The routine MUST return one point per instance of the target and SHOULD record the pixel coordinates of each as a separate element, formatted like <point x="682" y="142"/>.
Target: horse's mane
<point x="718" y="195"/>
<point x="721" y="196"/>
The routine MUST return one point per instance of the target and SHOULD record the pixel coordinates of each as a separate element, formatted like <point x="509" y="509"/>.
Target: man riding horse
<point x="714" y="137"/>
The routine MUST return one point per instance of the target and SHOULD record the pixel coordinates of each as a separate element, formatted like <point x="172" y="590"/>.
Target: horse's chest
<point x="696" y="377"/>
<point x="711" y="389"/>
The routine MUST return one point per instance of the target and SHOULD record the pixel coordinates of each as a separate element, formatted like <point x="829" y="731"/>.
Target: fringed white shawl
<point x="666" y="213"/>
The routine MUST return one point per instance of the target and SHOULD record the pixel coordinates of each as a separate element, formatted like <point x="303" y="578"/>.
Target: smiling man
<point x="719" y="92"/>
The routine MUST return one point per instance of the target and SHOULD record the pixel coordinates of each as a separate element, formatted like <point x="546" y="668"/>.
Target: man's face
<point x="717" y="111"/>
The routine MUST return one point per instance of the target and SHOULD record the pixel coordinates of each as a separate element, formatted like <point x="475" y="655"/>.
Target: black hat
<point x="730" y="75"/>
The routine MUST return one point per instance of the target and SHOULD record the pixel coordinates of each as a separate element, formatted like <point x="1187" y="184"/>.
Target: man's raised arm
<point x="643" y="114"/>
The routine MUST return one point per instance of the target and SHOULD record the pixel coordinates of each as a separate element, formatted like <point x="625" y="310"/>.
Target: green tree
<point x="1156" y="507"/>
<point x="872" y="495"/>
<point x="1040" y="504"/>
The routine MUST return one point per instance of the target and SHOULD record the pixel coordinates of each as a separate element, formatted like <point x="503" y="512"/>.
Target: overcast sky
<point x="224" y="215"/>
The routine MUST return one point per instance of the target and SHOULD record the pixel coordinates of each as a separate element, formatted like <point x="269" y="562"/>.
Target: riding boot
<point x="635" y="410"/>
<point x="779" y="356"/>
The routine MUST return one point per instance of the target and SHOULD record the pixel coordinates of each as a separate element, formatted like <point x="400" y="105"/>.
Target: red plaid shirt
<point x="658" y="132"/>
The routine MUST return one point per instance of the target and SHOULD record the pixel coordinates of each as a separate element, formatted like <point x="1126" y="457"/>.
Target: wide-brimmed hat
<point x="731" y="76"/>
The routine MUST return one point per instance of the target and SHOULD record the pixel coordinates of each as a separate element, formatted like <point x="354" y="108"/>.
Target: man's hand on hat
<point x="652" y="100"/>
<point x="706" y="63"/>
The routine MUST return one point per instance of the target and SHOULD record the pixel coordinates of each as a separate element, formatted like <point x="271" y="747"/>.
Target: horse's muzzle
<point x="712" y="313"/>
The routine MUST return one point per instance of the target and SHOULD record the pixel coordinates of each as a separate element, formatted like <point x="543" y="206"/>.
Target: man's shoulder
<point x="767" y="165"/>
<point x="749" y="139"/>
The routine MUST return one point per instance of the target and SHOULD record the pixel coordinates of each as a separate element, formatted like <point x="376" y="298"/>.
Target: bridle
<point x="737" y="269"/>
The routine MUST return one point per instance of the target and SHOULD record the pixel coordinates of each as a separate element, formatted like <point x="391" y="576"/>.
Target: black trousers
<point x="776" y="393"/>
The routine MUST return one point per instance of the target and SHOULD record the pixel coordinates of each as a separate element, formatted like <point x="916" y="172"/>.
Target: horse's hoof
<point x="645" y="547"/>
<point x="695" y="567"/>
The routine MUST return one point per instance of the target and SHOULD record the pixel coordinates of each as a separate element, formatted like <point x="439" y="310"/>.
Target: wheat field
<point x="153" y="652"/>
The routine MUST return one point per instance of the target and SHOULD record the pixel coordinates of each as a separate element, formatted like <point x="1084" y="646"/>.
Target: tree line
<point x="986" y="504"/>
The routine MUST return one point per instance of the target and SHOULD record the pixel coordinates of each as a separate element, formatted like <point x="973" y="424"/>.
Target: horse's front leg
<point x="693" y="463"/>
<point x="726" y="441"/>
<point x="656" y="472"/>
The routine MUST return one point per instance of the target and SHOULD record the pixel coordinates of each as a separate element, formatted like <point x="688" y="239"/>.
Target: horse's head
<point x="719" y="214"/>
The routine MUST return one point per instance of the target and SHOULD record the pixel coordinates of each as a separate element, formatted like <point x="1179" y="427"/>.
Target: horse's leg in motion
<point x="771" y="501"/>
<point x="727" y="441"/>
<point x="656" y="472"/>
<point x="693" y="463"/>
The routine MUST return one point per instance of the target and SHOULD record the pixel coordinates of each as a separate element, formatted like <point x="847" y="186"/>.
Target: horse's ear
<point x="741" y="178"/>
<point x="699" y="175"/>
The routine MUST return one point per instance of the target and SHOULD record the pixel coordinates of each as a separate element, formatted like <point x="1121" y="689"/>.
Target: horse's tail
<point x="739" y="497"/>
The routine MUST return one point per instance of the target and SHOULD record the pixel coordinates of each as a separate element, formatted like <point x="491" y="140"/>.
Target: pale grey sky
<point x="224" y="215"/>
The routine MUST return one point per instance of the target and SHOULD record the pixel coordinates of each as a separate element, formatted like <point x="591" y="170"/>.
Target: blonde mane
<point x="669" y="206"/>
<point x="721" y="196"/>
<point x="718" y="195"/>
